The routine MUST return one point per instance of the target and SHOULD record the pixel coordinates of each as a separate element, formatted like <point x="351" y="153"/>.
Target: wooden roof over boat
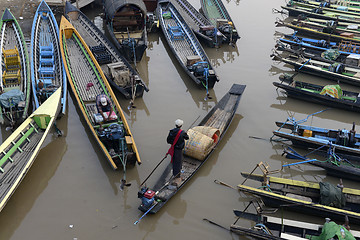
<point x="112" y="7"/>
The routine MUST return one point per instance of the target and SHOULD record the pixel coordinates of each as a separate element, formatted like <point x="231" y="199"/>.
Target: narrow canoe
<point x="126" y="22"/>
<point x="280" y="228"/>
<point x="330" y="14"/>
<point x="205" y="31"/>
<point x="118" y="71"/>
<point x="87" y="81"/>
<point x="46" y="66"/>
<point x="333" y="164"/>
<point x="312" y="93"/>
<point x="344" y="141"/>
<point x="15" y="71"/>
<point x="303" y="196"/>
<point x="220" y="118"/>
<point x="215" y="11"/>
<point x="185" y="46"/>
<point x="19" y="150"/>
<point x="337" y="72"/>
<point x="321" y="30"/>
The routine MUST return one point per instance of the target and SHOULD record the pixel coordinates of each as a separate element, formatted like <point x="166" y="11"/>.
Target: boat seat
<point x="46" y="71"/>
<point x="46" y="51"/>
<point x="176" y="33"/>
<point x="16" y="146"/>
<point x="11" y="59"/>
<point x="11" y="77"/>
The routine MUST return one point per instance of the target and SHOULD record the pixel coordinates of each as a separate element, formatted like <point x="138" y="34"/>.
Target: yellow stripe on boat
<point x="68" y="30"/>
<point x="303" y="184"/>
<point x="50" y="108"/>
<point x="304" y="203"/>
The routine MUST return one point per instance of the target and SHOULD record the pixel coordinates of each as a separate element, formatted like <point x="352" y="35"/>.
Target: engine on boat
<point x="111" y="136"/>
<point x="147" y="197"/>
<point x="199" y="68"/>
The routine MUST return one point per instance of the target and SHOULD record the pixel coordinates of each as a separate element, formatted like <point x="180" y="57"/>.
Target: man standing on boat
<point x="177" y="139"/>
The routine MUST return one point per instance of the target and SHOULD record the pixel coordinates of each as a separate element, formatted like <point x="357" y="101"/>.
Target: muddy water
<point x="71" y="191"/>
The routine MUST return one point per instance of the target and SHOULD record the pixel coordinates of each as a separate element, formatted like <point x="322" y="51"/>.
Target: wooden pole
<point x="77" y="4"/>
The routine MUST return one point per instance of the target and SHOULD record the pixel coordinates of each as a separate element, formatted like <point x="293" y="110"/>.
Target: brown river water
<point x="71" y="192"/>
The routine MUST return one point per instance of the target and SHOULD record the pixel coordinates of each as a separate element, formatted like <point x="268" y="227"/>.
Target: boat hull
<point x="226" y="107"/>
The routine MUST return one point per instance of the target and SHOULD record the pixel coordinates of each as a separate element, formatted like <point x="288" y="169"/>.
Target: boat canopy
<point x="125" y="15"/>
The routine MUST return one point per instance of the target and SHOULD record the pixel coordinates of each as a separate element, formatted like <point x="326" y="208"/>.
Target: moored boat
<point x="216" y="122"/>
<point x="272" y="227"/>
<point x="328" y="95"/>
<point x="334" y="71"/>
<point x="118" y="71"/>
<point x="87" y="81"/>
<point x="341" y="140"/>
<point x="330" y="14"/>
<point x="333" y="164"/>
<point x="215" y="11"/>
<point x="205" y="31"/>
<point x="15" y="72"/>
<point x="19" y="150"/>
<point x="331" y="30"/>
<point x="46" y="66"/>
<point x="185" y="46"/>
<point x="126" y="22"/>
<point x="307" y="197"/>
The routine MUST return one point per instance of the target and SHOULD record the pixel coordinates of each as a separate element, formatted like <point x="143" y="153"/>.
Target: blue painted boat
<point x="344" y="141"/>
<point x="47" y="69"/>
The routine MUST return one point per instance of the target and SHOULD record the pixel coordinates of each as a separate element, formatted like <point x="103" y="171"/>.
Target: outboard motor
<point x="147" y="197"/>
<point x="199" y="68"/>
<point x="112" y="135"/>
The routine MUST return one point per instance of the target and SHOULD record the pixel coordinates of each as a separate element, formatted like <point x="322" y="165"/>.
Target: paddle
<point x="214" y="223"/>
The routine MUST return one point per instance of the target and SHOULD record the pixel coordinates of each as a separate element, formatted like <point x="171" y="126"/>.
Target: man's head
<point x="179" y="123"/>
<point x="103" y="101"/>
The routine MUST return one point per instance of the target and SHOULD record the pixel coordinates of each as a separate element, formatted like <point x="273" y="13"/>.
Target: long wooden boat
<point x="46" y="66"/>
<point x="185" y="46"/>
<point x="114" y="137"/>
<point x="15" y="71"/>
<point x="219" y="118"/>
<point x="347" y="8"/>
<point x="118" y="71"/>
<point x="319" y="44"/>
<point x="321" y="30"/>
<point x="202" y="27"/>
<point x="329" y="55"/>
<point x="344" y="141"/>
<point x="126" y="22"/>
<point x="329" y="14"/>
<point x="19" y="150"/>
<point x="337" y="72"/>
<point x="270" y="227"/>
<point x="215" y="11"/>
<point x="333" y="164"/>
<point x="320" y="94"/>
<point x="303" y="196"/>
